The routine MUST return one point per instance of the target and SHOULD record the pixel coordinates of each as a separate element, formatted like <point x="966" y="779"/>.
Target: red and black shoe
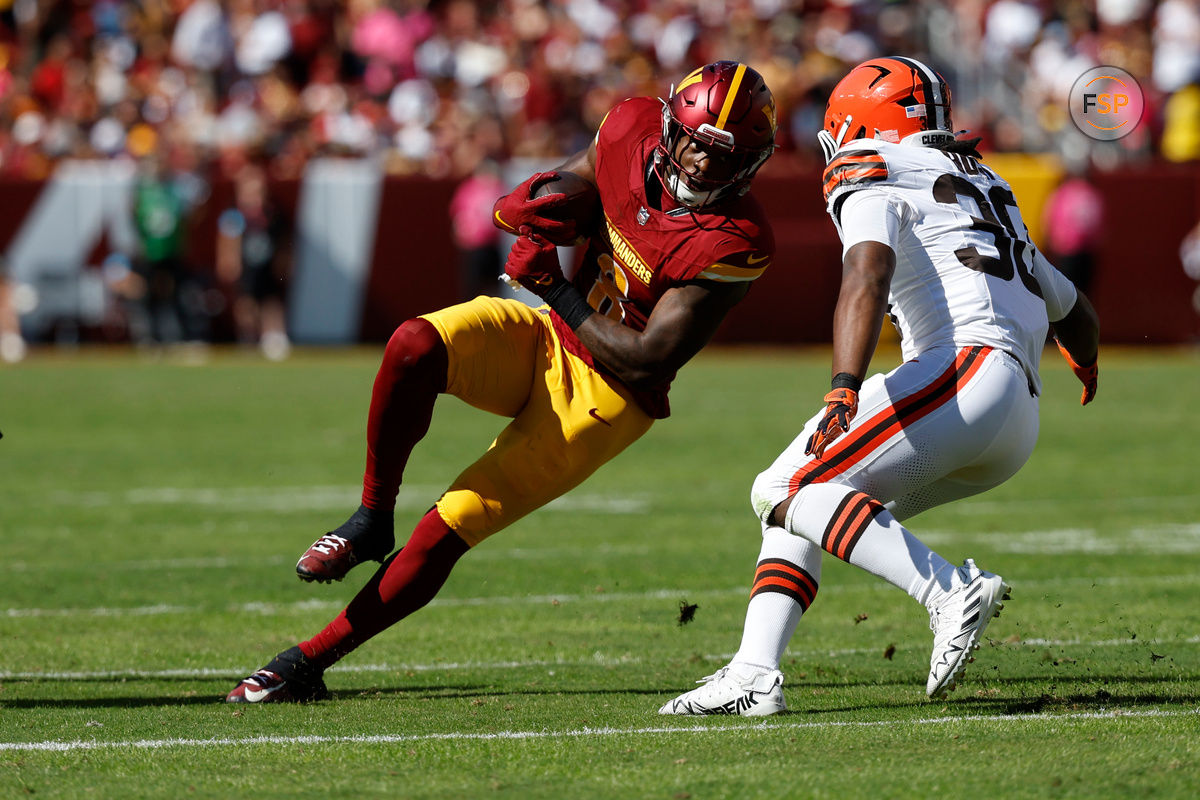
<point x="289" y="678"/>
<point x="366" y="536"/>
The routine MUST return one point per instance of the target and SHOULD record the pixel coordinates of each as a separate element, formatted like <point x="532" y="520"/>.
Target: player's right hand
<point x="840" y="407"/>
<point x="519" y="209"/>
<point x="1088" y="374"/>
<point x="533" y="263"/>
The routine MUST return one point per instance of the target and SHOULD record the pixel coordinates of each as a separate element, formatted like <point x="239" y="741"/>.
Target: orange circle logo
<point x="1106" y="103"/>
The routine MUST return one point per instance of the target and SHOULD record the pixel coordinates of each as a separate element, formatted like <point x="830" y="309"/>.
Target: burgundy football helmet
<point x="726" y="108"/>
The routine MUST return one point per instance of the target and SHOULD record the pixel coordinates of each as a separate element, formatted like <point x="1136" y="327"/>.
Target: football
<point x="582" y="203"/>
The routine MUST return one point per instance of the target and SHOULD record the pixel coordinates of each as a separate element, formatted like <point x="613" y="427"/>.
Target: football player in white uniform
<point x="933" y="239"/>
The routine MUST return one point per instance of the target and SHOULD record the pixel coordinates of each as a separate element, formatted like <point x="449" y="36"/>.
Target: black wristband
<point x="844" y="380"/>
<point x="568" y="303"/>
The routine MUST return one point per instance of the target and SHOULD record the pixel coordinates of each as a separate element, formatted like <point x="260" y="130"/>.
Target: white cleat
<point x="744" y="690"/>
<point x="958" y="622"/>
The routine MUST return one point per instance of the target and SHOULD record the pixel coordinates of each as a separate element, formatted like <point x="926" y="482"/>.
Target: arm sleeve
<point x="1057" y="289"/>
<point x="871" y="216"/>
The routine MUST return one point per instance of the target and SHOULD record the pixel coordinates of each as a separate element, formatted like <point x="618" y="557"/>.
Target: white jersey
<point x="966" y="272"/>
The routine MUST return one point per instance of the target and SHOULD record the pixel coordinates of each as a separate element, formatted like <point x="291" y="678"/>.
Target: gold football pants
<point x="568" y="419"/>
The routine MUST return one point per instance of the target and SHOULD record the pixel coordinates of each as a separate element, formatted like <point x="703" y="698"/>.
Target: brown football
<point x="582" y="203"/>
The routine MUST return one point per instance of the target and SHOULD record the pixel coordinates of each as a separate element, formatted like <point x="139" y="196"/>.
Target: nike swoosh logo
<point x="503" y="224"/>
<point x="596" y="416"/>
<point x="256" y="695"/>
<point x="751" y="260"/>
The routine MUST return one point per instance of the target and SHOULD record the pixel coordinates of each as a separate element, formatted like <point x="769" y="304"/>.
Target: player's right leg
<point x="483" y="351"/>
<point x="413" y="373"/>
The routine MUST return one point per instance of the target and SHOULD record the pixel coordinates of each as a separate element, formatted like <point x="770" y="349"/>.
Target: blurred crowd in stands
<point x="434" y="87"/>
<point x="200" y="94"/>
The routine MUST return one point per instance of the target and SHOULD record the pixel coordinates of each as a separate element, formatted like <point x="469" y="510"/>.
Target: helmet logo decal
<point x="696" y="76"/>
<point x="769" y="112"/>
<point x="883" y="73"/>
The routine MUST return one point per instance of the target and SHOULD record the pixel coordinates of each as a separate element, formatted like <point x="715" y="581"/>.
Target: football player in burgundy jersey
<point x="679" y="243"/>
<point x="933" y="238"/>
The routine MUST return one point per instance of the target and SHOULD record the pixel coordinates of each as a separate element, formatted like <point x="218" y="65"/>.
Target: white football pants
<point x="947" y="425"/>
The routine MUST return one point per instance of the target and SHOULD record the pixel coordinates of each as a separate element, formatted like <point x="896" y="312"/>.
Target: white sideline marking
<point x="155" y="744"/>
<point x="412" y="497"/>
<point x="597" y="659"/>
<point x="544" y="599"/>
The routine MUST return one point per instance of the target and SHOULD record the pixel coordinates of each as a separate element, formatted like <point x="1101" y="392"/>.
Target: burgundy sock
<point x="409" y="380"/>
<point x="406" y="582"/>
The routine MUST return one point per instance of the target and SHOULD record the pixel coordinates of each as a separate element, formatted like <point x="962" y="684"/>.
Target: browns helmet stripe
<point x="934" y="90"/>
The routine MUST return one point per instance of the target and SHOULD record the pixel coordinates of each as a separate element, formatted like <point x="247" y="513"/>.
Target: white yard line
<point x="597" y="659"/>
<point x="219" y="562"/>
<point x="584" y="733"/>
<point x="1172" y="538"/>
<point x="1005" y="506"/>
<point x="544" y="599"/>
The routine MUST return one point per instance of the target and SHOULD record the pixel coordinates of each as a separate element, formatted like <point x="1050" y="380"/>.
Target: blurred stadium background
<point x="250" y="170"/>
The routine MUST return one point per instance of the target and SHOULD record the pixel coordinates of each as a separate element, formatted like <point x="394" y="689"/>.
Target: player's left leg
<point x="785" y="583"/>
<point x="406" y="582"/>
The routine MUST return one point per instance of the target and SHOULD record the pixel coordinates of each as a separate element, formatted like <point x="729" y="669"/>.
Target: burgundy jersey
<point x="640" y="251"/>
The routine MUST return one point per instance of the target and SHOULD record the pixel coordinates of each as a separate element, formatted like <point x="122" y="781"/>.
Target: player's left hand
<point x="1088" y="374"/>
<point x="840" y="407"/>
<point x="533" y="263"/>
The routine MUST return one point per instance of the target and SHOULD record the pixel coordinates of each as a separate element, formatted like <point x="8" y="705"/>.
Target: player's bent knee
<point x="765" y="495"/>
<point x="470" y="515"/>
<point x="416" y="344"/>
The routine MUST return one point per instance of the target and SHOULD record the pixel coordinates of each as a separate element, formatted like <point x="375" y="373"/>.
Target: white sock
<point x="857" y="528"/>
<point x="785" y="583"/>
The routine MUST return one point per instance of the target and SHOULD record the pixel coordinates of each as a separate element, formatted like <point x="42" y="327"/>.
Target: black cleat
<point x="366" y="536"/>
<point x="289" y="678"/>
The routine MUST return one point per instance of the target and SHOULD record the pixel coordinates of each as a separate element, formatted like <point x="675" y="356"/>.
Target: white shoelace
<point x="716" y="676"/>
<point x="328" y="543"/>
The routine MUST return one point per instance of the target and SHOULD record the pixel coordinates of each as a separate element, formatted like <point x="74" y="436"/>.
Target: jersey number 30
<point x="1010" y="243"/>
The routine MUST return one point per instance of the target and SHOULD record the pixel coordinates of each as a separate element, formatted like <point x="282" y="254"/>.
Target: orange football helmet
<point x="724" y="106"/>
<point x="894" y="99"/>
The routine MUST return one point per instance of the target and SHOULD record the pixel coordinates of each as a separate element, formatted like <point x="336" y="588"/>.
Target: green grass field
<point x="151" y="513"/>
